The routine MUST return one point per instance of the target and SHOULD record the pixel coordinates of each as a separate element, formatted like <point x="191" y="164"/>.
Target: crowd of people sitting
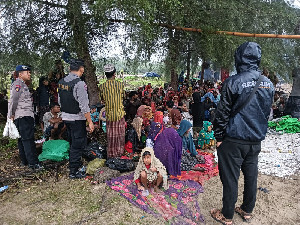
<point x="165" y="128"/>
<point x="149" y="112"/>
<point x="174" y="122"/>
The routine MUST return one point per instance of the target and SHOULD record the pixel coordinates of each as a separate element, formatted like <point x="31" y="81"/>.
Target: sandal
<point x="247" y="217"/>
<point x="217" y="215"/>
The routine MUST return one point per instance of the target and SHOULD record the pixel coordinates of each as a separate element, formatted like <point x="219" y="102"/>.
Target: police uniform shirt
<point x="81" y="96"/>
<point x="20" y="102"/>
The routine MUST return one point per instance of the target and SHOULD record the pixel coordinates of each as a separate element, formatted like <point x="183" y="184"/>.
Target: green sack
<point x="287" y="124"/>
<point x="94" y="165"/>
<point x="56" y="150"/>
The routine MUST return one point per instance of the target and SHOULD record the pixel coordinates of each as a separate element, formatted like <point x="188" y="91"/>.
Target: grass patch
<point x="133" y="82"/>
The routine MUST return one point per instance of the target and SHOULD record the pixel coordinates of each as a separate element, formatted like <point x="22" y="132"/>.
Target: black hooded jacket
<point x="251" y="123"/>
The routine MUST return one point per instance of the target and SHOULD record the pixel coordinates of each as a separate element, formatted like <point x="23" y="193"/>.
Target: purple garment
<point x="168" y="149"/>
<point x="154" y="130"/>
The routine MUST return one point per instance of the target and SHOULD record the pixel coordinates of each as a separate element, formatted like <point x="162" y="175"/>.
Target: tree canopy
<point x="36" y="32"/>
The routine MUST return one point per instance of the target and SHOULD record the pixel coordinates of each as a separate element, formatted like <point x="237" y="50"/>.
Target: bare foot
<point x="141" y="188"/>
<point x="156" y="189"/>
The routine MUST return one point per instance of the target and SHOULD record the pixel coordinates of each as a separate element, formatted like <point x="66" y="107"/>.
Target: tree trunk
<point x="78" y="25"/>
<point x="202" y="71"/>
<point x="188" y="62"/>
<point x="172" y="58"/>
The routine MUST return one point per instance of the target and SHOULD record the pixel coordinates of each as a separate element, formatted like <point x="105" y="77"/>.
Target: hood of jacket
<point x="184" y="126"/>
<point x="247" y="57"/>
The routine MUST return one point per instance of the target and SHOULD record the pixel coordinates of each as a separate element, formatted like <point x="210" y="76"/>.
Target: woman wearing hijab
<point x="168" y="149"/>
<point x="197" y="112"/>
<point x="191" y="158"/>
<point x="133" y="136"/>
<point x="176" y="118"/>
<point x="155" y="130"/>
<point x="206" y="137"/>
<point x="147" y="116"/>
<point x="140" y="110"/>
<point x="171" y="148"/>
<point x="158" y="117"/>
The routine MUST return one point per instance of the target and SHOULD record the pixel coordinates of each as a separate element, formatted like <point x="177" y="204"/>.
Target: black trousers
<point x="233" y="156"/>
<point x="77" y="136"/>
<point x="26" y="145"/>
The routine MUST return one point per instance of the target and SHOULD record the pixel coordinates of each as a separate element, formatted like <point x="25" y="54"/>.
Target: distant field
<point x="133" y="82"/>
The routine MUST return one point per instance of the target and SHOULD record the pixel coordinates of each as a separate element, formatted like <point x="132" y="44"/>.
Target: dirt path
<point x="78" y="202"/>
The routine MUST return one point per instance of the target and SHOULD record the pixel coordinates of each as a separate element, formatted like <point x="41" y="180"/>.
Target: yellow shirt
<point x="112" y="92"/>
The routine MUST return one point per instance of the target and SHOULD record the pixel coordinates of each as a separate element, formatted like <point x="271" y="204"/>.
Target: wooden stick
<point x="239" y="34"/>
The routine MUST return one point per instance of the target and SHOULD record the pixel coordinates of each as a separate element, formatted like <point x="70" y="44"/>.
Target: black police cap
<point x="76" y="62"/>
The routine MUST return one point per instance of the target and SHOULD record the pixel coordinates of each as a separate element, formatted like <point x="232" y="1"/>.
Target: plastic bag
<point x="94" y="165"/>
<point x="95" y="150"/>
<point x="122" y="165"/>
<point x="56" y="150"/>
<point x="10" y="130"/>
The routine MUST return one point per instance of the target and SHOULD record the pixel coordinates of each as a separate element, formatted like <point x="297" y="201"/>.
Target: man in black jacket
<point x="239" y="131"/>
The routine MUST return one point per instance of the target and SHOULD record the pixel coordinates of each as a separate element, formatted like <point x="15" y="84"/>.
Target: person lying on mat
<point x="150" y="172"/>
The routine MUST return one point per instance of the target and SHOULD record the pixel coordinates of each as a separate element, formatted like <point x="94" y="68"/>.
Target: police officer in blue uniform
<point x="20" y="109"/>
<point x="74" y="103"/>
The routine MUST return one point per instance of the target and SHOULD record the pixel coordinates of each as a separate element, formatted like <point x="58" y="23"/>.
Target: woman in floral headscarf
<point x="147" y="116"/>
<point x="206" y="137"/>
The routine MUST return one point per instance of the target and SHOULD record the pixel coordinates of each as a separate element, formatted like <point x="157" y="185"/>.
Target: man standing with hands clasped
<point x="241" y="124"/>
<point x="74" y="103"/>
<point x="20" y="110"/>
<point x="112" y="92"/>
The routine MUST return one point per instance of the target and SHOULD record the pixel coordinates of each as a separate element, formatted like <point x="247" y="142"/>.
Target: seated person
<point x="103" y="119"/>
<point x="191" y="158"/>
<point x="150" y="172"/>
<point x="54" y="127"/>
<point x="133" y="105"/>
<point x="155" y="129"/>
<point x="176" y="118"/>
<point x="133" y="137"/>
<point x="186" y="115"/>
<point x="166" y="119"/>
<point x="95" y="115"/>
<point x="206" y="137"/>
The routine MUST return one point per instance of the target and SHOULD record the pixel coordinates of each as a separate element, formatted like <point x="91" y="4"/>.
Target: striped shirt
<point x="112" y="92"/>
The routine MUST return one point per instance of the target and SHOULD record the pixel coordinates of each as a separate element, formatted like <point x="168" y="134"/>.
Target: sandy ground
<point x="78" y="202"/>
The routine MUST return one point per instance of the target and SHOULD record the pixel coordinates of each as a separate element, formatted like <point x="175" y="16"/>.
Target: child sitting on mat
<point x="150" y="172"/>
<point x="206" y="139"/>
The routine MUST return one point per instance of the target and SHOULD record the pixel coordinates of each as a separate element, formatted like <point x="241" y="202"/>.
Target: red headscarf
<point x="158" y="117"/>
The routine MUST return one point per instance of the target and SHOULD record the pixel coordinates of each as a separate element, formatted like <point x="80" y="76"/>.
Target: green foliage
<point x="253" y="16"/>
<point x="47" y="29"/>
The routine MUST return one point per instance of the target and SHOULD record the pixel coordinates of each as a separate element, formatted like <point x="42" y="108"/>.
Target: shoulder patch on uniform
<point x="85" y="87"/>
<point x="17" y="88"/>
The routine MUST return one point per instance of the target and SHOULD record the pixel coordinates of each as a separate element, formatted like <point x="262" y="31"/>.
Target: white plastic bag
<point x="5" y="131"/>
<point x="10" y="130"/>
